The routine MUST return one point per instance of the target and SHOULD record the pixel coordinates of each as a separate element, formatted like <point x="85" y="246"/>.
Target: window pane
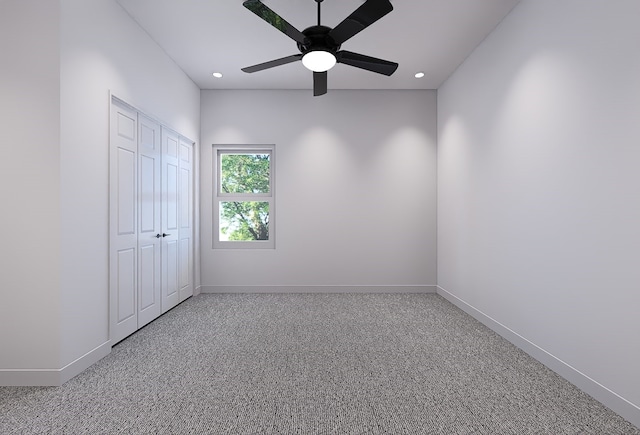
<point x="244" y="220"/>
<point x="244" y="173"/>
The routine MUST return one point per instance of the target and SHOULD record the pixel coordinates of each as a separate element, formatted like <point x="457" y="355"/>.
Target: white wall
<point x="60" y="61"/>
<point x="102" y="50"/>
<point x="355" y="189"/>
<point x="539" y="200"/>
<point x="29" y="185"/>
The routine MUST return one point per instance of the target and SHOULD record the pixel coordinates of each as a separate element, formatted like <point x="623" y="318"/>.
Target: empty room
<point x="320" y="216"/>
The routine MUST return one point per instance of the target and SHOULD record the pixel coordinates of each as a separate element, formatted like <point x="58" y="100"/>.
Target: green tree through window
<point x="246" y="220"/>
<point x="244" y="176"/>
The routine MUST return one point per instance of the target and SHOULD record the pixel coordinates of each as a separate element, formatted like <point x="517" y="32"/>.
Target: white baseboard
<point x="320" y="289"/>
<point x="30" y="377"/>
<point x="52" y="377"/>
<point x="84" y="362"/>
<point x="615" y="402"/>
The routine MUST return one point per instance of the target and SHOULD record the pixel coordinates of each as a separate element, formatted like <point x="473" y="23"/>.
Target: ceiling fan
<point x="320" y="45"/>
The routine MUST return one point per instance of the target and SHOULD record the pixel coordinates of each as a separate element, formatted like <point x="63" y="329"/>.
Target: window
<point x="244" y="205"/>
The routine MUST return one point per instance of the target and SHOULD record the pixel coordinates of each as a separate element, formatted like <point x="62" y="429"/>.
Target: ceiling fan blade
<point x="367" y="14"/>
<point x="272" y="63"/>
<point x="366" y="62"/>
<point x="258" y="8"/>
<point x="319" y="83"/>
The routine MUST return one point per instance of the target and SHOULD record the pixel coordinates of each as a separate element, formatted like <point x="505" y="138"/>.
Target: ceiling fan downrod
<point x="319" y="1"/>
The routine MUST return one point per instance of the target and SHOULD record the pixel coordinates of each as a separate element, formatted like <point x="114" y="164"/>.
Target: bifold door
<point x="149" y="223"/>
<point x="186" y="219"/>
<point x="123" y="222"/>
<point x="151" y="220"/>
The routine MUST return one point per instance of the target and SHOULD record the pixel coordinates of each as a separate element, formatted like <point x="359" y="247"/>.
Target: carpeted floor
<point x="308" y="364"/>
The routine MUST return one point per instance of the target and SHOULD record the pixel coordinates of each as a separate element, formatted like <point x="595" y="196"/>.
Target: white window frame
<point x="218" y="196"/>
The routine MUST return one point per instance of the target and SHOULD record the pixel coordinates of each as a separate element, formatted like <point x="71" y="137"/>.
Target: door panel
<point x="170" y="191"/>
<point x="123" y="214"/>
<point x="185" y="266"/>
<point x="147" y="276"/>
<point x="171" y="273"/>
<point x="170" y="195"/>
<point x="148" y="189"/>
<point x="126" y="192"/>
<point x="185" y="205"/>
<point x="126" y="285"/>
<point x="149" y="198"/>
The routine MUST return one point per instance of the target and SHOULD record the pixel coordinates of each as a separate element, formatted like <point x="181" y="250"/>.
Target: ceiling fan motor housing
<point x="317" y="38"/>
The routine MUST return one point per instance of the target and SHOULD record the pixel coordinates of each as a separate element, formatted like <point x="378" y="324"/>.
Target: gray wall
<point x="355" y="189"/>
<point x="538" y="185"/>
<point x="60" y="60"/>
<point x="29" y="184"/>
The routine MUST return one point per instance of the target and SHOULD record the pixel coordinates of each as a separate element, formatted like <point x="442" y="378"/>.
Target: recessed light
<point x="419" y="75"/>
<point x="217" y="75"/>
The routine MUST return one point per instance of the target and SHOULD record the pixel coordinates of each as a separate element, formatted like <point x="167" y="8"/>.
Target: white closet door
<point x="185" y="206"/>
<point x="123" y="212"/>
<point x="151" y="220"/>
<point x="170" y="219"/>
<point x="149" y="229"/>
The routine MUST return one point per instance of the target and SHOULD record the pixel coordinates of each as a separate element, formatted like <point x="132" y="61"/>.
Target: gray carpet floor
<point x="311" y="364"/>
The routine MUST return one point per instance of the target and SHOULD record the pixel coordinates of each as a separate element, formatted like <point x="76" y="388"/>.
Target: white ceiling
<point x="203" y="36"/>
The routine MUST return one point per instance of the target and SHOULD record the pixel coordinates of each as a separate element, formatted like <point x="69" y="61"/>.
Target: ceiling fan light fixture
<point x="319" y="60"/>
<point x="319" y="45"/>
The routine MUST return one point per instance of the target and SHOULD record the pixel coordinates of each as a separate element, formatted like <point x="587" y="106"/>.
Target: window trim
<point x="218" y="197"/>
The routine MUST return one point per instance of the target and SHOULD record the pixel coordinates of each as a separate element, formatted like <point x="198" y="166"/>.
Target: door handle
<point x="158" y="236"/>
<point x="165" y="234"/>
